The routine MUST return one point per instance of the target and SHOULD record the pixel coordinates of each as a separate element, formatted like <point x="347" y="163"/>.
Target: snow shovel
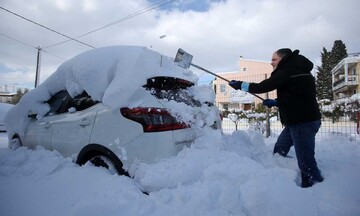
<point x="183" y="59"/>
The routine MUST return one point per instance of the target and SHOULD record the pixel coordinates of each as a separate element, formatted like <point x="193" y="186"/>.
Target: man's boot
<point x="306" y="181"/>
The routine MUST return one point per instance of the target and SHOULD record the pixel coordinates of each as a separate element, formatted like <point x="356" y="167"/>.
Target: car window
<point x="82" y="101"/>
<point x="58" y="103"/>
<point x="171" y="88"/>
<point x="62" y="101"/>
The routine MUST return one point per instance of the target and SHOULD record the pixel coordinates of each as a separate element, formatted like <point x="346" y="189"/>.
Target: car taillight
<point x="153" y="119"/>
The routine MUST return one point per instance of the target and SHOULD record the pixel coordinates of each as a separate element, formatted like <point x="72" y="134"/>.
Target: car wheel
<point x="15" y="143"/>
<point x="102" y="157"/>
<point x="103" y="161"/>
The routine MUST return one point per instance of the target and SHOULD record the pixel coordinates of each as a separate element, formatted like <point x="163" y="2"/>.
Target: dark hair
<point x="283" y="52"/>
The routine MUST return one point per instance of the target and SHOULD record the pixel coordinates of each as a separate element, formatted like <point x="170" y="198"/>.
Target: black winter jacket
<point x="296" y="91"/>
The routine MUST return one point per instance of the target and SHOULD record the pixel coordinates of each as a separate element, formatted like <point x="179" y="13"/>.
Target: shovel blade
<point x="183" y="59"/>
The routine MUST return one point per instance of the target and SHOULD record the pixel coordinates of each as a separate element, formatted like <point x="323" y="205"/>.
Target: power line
<point x="26" y="44"/>
<point x="45" y="27"/>
<point x="152" y="7"/>
<point x="23" y="43"/>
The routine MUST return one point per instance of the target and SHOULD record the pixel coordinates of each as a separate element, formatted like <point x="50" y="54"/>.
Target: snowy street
<point x="219" y="175"/>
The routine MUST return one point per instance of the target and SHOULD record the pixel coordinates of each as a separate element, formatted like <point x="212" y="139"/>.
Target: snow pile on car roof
<point x="116" y="71"/>
<point x="108" y="74"/>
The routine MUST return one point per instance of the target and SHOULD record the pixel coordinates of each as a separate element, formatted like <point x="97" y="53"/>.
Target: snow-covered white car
<point x="113" y="106"/>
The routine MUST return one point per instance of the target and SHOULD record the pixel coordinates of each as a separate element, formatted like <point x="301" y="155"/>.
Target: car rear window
<point x="171" y="88"/>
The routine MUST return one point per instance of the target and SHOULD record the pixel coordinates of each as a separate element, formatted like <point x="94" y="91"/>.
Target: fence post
<point x="267" y="125"/>
<point x="357" y="121"/>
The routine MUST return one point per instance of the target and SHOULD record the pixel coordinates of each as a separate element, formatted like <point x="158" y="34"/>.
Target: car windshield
<point x="171" y="88"/>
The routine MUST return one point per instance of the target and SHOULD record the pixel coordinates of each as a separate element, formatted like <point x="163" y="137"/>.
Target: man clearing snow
<point x="299" y="111"/>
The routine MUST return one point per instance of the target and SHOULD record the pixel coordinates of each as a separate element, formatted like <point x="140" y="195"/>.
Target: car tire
<point x="103" y="161"/>
<point x="14" y="143"/>
<point x="101" y="156"/>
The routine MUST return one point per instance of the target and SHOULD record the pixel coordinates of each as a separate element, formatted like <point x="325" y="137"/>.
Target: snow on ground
<point x="219" y="175"/>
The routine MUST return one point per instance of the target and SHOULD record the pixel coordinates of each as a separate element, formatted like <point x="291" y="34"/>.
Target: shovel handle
<point x="198" y="67"/>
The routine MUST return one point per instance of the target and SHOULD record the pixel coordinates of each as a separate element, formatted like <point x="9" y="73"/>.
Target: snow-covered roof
<point x="7" y="93"/>
<point x="350" y="59"/>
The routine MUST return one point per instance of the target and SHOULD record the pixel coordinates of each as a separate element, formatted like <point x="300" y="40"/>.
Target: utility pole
<point x="38" y="60"/>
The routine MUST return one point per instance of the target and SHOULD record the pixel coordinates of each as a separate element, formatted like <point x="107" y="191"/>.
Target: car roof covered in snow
<point x="104" y="73"/>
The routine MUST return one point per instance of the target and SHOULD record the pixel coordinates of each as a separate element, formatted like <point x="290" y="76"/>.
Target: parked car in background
<point x="146" y="130"/>
<point x="4" y="107"/>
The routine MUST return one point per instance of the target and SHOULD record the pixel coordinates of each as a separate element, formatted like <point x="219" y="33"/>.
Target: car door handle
<point x="84" y="122"/>
<point x="47" y="125"/>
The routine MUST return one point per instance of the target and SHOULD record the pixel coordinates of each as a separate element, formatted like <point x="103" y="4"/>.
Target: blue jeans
<point x="302" y="137"/>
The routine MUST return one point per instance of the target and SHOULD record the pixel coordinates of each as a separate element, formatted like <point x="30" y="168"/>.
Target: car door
<point x="72" y="130"/>
<point x="38" y="131"/>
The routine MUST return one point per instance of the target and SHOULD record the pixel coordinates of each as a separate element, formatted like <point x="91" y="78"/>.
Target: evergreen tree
<point x="338" y="53"/>
<point x="19" y="94"/>
<point x="324" y="80"/>
<point x="328" y="61"/>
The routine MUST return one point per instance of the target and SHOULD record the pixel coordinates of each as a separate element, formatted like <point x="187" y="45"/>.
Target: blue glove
<point x="270" y="102"/>
<point x="235" y="84"/>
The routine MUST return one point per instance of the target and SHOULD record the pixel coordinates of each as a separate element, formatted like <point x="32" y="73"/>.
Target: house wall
<point x="250" y="71"/>
<point x="7" y="92"/>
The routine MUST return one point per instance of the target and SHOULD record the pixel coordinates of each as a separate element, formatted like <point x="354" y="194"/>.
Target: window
<point x="247" y="106"/>
<point x="222" y="88"/>
<point x="81" y="102"/>
<point x="58" y="103"/>
<point x="226" y="106"/>
<point x="172" y="89"/>
<point x="61" y="102"/>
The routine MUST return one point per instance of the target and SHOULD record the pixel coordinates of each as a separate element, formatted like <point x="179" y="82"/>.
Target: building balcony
<point x="346" y="63"/>
<point x="343" y="84"/>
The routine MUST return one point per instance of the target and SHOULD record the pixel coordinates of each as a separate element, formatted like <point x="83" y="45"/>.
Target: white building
<point x="345" y="77"/>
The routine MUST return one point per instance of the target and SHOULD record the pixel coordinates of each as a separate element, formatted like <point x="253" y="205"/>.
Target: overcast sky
<point x="215" y="32"/>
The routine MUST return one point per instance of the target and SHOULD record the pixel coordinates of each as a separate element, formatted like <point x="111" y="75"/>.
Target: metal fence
<point x="344" y="125"/>
<point x="343" y="128"/>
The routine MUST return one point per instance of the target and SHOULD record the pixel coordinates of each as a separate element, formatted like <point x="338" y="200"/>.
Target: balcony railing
<point x="351" y="81"/>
